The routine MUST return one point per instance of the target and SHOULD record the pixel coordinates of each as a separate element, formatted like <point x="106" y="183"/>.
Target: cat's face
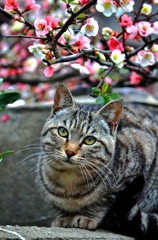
<point x="74" y="137"/>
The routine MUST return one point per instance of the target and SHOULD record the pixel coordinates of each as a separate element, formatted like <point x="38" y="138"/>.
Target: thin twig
<point x="137" y="15"/>
<point x="102" y="80"/>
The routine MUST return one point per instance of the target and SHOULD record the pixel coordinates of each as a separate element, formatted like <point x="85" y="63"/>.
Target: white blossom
<point x="107" y="7"/>
<point x="90" y="28"/>
<point x="117" y="57"/>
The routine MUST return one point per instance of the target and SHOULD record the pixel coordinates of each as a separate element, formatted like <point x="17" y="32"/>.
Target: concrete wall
<point x="20" y="202"/>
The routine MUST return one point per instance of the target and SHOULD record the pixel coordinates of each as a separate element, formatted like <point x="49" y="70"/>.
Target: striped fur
<point x="86" y="187"/>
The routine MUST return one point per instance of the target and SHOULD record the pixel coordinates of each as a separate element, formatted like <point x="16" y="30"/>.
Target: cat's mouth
<point x="68" y="161"/>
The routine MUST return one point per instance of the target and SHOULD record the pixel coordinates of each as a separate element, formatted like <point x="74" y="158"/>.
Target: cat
<point x="98" y="165"/>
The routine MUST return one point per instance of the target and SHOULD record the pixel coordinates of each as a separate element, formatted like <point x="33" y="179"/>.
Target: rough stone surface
<point x="58" y="233"/>
<point x="20" y="202"/>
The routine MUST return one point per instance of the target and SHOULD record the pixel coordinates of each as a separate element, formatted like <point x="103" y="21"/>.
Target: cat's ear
<point x="111" y="112"/>
<point x="63" y="98"/>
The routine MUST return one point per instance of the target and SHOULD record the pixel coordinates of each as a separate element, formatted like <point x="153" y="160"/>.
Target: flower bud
<point x="129" y="49"/>
<point x="101" y="56"/>
<point x="45" y="51"/>
<point x="154" y="48"/>
<point x="18" y="18"/>
<point x="107" y="32"/>
<point x="12" y="11"/>
<point x="50" y="29"/>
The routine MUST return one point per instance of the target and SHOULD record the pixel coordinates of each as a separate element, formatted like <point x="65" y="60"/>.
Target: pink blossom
<point x="126" y="21"/>
<point x="145" y="28"/>
<point x="21" y="86"/>
<point x="40" y="26"/>
<point x="52" y="22"/>
<point x="62" y="40"/>
<point x="89" y="67"/>
<point x="11" y="5"/>
<point x="46" y="5"/>
<point x="83" y="42"/>
<point x="115" y="43"/>
<point x="49" y="71"/>
<point x="12" y="72"/>
<point x="31" y="5"/>
<point x="5" y="118"/>
<point x="135" y="78"/>
<point x="4" y="73"/>
<point x="155" y="26"/>
<point x="19" y="70"/>
<point x="5" y="85"/>
<point x="133" y="32"/>
<point x="108" y="80"/>
<point x="82" y="2"/>
<point x="146" y="58"/>
<point x="155" y="1"/>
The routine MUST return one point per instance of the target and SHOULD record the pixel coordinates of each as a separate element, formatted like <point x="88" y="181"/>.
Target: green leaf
<point x="1" y="80"/>
<point x="60" y="24"/>
<point x="106" y="99"/>
<point x="8" y="97"/>
<point x="95" y="90"/>
<point x="0" y="159"/>
<point x="100" y="100"/>
<point x="75" y="9"/>
<point x="105" y="87"/>
<point x="109" y="89"/>
<point x="4" y="154"/>
<point x="81" y="15"/>
<point x="115" y="96"/>
<point x="64" y="1"/>
<point x="70" y="1"/>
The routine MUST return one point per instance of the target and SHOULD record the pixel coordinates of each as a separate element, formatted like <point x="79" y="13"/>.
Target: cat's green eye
<point x="62" y="132"/>
<point x="89" y="140"/>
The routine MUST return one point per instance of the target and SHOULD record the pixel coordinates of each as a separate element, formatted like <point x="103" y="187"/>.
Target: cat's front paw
<point x="62" y="222"/>
<point x="84" y="223"/>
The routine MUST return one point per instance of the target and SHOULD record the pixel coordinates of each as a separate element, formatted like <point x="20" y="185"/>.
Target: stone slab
<point x="58" y="233"/>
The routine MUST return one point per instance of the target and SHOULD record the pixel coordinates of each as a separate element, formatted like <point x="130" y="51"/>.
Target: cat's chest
<point x="70" y="190"/>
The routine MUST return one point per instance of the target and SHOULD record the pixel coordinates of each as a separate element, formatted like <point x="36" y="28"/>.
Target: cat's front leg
<point x="62" y="222"/>
<point x="84" y="222"/>
<point x="88" y="217"/>
<point x="77" y="221"/>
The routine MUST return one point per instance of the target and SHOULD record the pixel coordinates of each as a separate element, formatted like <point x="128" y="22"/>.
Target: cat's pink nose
<point x="69" y="153"/>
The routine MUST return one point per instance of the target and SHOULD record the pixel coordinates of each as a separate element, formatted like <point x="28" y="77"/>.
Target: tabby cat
<point x="98" y="167"/>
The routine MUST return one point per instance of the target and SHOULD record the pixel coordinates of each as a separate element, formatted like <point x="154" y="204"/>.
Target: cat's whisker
<point x="28" y="157"/>
<point x="81" y="168"/>
<point x="84" y="168"/>
<point x="104" y="165"/>
<point x="30" y="148"/>
<point x="107" y="169"/>
<point x="100" y="169"/>
<point x="89" y="175"/>
<point x="29" y="161"/>
<point x="34" y="167"/>
<point x="87" y="163"/>
<point x="103" y="172"/>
